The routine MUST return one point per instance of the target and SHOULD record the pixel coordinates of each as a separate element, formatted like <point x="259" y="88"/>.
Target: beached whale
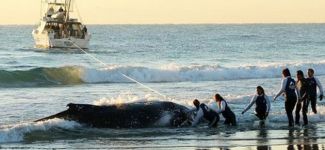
<point x="127" y="115"/>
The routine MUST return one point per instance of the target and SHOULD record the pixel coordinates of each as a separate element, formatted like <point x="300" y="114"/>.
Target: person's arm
<point x="320" y="87"/>
<point x="304" y="96"/>
<point x="268" y="104"/>
<point x="283" y="87"/>
<point x="298" y="92"/>
<point x="222" y="107"/>
<point x="303" y="89"/>
<point x="198" y="117"/>
<point x="250" y="104"/>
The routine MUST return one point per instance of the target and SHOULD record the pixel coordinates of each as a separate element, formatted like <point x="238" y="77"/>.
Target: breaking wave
<point x="41" y="77"/>
<point x="16" y="133"/>
<point x="70" y="75"/>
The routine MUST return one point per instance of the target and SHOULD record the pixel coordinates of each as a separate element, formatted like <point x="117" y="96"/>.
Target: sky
<point x="175" y="11"/>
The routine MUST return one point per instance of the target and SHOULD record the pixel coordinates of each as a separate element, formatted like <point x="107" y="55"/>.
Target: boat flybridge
<point x="58" y="28"/>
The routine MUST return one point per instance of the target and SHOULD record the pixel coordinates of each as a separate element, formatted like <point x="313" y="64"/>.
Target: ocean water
<point x="182" y="62"/>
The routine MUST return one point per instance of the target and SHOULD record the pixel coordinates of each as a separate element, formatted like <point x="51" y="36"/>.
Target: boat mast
<point x="67" y="8"/>
<point x="41" y="11"/>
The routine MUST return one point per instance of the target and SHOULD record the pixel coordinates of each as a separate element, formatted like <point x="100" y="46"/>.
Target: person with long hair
<point x="230" y="118"/>
<point x="290" y="91"/>
<point x="303" y="103"/>
<point x="262" y="104"/>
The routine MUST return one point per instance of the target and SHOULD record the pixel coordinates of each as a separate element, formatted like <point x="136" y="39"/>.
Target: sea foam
<point x="16" y="132"/>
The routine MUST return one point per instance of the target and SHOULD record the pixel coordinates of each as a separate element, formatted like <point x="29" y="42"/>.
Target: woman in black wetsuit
<point x="262" y="103"/>
<point x="302" y="85"/>
<point x="230" y="118"/>
<point x="290" y="91"/>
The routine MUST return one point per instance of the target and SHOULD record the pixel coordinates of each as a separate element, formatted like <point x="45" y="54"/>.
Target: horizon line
<point x="248" y="23"/>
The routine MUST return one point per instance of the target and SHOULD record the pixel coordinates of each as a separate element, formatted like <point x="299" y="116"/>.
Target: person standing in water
<point x="302" y="86"/>
<point x="262" y="104"/>
<point x="289" y="88"/>
<point x="313" y="83"/>
<point x="230" y="118"/>
<point x="203" y="111"/>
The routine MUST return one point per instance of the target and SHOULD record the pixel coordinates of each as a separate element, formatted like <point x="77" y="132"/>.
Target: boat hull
<point x="44" y="40"/>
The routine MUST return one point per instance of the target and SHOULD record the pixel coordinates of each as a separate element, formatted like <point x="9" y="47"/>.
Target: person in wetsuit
<point x="230" y="118"/>
<point x="290" y="91"/>
<point x="313" y="83"/>
<point x="261" y="102"/>
<point x="302" y="86"/>
<point x="203" y="111"/>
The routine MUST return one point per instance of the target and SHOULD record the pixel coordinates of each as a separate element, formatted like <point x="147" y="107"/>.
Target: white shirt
<point x="220" y="108"/>
<point x="253" y="100"/>
<point x="198" y="117"/>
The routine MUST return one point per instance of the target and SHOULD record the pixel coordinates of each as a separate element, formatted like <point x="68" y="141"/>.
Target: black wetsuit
<point x="229" y="116"/>
<point x="210" y="115"/>
<point x="261" y="107"/>
<point x="291" y="99"/>
<point x="302" y="86"/>
<point x="312" y="93"/>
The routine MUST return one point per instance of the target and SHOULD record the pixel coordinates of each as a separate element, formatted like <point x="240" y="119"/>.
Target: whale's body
<point x="127" y="115"/>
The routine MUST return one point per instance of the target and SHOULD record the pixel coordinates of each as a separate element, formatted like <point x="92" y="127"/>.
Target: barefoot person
<point x="313" y="83"/>
<point x="230" y="118"/>
<point x="290" y="91"/>
<point x="262" y="104"/>
<point x="303" y="102"/>
<point x="203" y="111"/>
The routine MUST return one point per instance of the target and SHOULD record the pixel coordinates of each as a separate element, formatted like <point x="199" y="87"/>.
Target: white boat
<point x="58" y="28"/>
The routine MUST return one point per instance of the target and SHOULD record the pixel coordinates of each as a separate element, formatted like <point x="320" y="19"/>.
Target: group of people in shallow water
<point x="298" y="94"/>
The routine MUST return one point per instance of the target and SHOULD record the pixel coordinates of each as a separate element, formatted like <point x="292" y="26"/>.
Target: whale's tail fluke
<point x="62" y="114"/>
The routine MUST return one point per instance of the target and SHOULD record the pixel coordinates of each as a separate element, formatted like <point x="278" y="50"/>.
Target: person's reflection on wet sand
<point x="290" y="139"/>
<point x="263" y="135"/>
<point x="308" y="136"/>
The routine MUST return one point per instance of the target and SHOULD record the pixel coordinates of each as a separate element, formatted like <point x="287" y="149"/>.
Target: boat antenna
<point x="67" y="10"/>
<point x="41" y="9"/>
<point x="65" y="5"/>
<point x="124" y="75"/>
<point x="77" y="8"/>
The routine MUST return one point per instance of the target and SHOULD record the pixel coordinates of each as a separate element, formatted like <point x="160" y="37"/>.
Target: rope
<point x="124" y="75"/>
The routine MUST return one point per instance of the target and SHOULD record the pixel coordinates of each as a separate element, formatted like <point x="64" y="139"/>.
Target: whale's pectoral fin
<point x="62" y="114"/>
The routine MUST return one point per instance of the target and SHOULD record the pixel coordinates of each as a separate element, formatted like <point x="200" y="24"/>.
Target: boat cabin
<point x="66" y="29"/>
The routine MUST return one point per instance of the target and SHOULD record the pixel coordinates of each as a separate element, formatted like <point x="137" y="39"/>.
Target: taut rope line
<point x="124" y="75"/>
